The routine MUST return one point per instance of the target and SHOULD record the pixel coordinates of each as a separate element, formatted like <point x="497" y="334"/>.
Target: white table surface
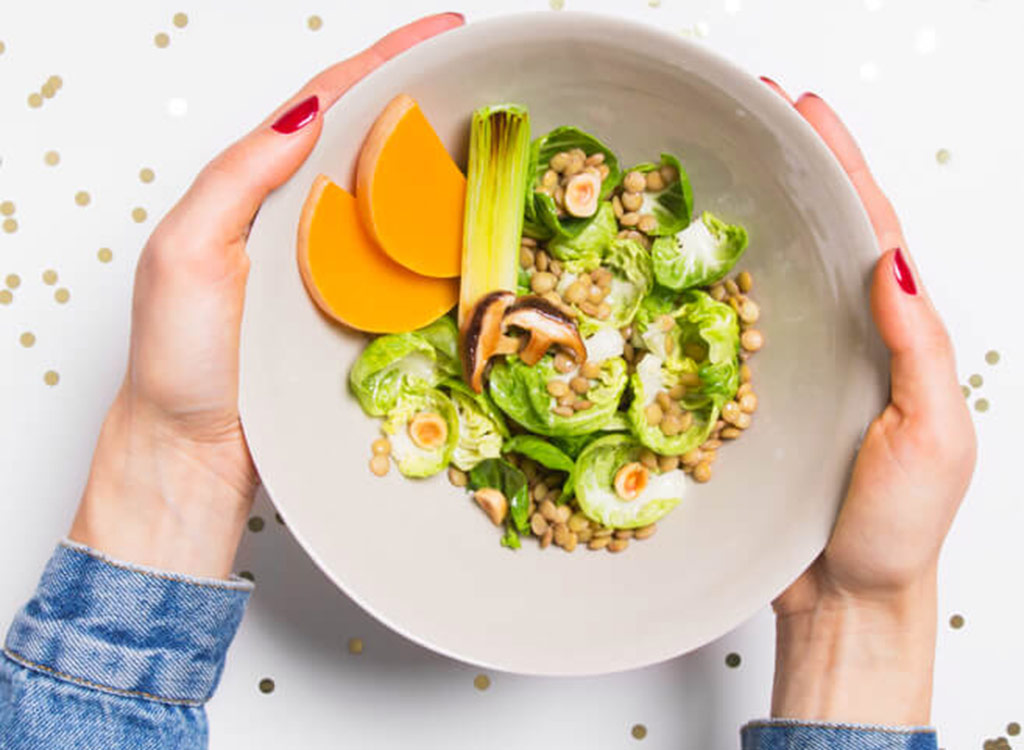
<point x="911" y="77"/>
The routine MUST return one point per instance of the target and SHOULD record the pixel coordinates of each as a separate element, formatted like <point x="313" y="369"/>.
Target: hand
<point x="856" y="632"/>
<point x="172" y="481"/>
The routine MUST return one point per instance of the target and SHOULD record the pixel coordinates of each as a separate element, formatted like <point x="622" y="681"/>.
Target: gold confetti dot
<point x="247" y="576"/>
<point x="51" y="158"/>
<point x="51" y="377"/>
<point x="956" y="622"/>
<point x="35" y="100"/>
<point x="62" y="295"/>
<point x="56" y="81"/>
<point x="966" y="391"/>
<point x="48" y="90"/>
<point x="10" y="226"/>
<point x="355" y="645"/>
<point x="556" y="4"/>
<point x="256" y="524"/>
<point x="1013" y="729"/>
<point x="481" y="682"/>
<point x="942" y="156"/>
<point x="139" y="214"/>
<point x="161" y="40"/>
<point x="7" y="208"/>
<point x="639" y="731"/>
<point x="992" y="357"/>
<point x="975" y="380"/>
<point x="266" y="685"/>
<point x="981" y="404"/>
<point x="49" y="277"/>
<point x="314" y="23"/>
<point x="733" y="660"/>
<point x="27" y="339"/>
<point x="180" y="20"/>
<point x="6" y="297"/>
<point x="146" y="174"/>
<point x="82" y="198"/>
<point x="13" y="281"/>
<point x="104" y="255"/>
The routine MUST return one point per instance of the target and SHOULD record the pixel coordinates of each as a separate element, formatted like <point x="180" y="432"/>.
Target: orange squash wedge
<point x="411" y="194"/>
<point x="349" y="276"/>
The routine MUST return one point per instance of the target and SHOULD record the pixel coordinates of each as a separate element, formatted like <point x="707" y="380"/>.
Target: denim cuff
<point x="790" y="734"/>
<point x="127" y="629"/>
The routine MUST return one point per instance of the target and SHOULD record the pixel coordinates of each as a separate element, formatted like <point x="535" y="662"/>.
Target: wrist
<point x="159" y="497"/>
<point x="865" y="660"/>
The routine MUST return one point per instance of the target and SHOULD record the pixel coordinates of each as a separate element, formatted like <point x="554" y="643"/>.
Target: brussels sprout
<point x="443" y="335"/>
<point x="547" y="455"/>
<point x="390" y="366"/>
<point x="480" y="436"/>
<point x="632" y="278"/>
<point x="521" y="392"/>
<point x="415" y="457"/>
<point x="596" y="469"/>
<point x="712" y="326"/>
<point x="542" y="218"/>
<point x="671" y="206"/>
<point x="699" y="255"/>
<point x="652" y="376"/>
<point x="591" y="243"/>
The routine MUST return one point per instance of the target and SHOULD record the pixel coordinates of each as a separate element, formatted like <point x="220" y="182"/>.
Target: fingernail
<point x="298" y="116"/>
<point x="453" y="14"/>
<point x="811" y="95"/>
<point x="904" y="276"/>
<point x="769" y="81"/>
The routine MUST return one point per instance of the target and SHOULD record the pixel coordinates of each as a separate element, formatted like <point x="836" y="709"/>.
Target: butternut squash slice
<point x="411" y="194"/>
<point x="349" y="276"/>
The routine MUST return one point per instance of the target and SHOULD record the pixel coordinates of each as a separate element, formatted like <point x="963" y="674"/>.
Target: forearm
<point x="850" y="661"/>
<point x="156" y="498"/>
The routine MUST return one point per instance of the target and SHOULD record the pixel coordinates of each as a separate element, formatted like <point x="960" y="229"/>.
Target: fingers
<point x="224" y="198"/>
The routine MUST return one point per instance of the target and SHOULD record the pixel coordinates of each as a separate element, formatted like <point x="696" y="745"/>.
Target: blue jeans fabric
<point x="784" y="734"/>
<point x="113" y="656"/>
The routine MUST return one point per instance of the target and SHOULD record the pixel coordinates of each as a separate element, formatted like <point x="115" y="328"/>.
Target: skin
<point x="172" y="481"/>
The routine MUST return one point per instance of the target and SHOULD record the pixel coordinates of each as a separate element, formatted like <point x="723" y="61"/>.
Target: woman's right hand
<point x="856" y="632"/>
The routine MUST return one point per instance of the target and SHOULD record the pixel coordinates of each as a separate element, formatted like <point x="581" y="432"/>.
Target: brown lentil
<point x="550" y="179"/>
<point x="654" y="415"/>
<point x="634" y="182"/>
<point x="538" y="524"/>
<point x="731" y="287"/>
<point x="730" y="412"/>
<point x="645" y="532"/>
<point x="381" y="446"/>
<point x="595" y="158"/>
<point x="599" y="542"/>
<point x="595" y="294"/>
<point x="602" y="277"/>
<point x="590" y="369"/>
<point x="647" y="223"/>
<point x="570" y="542"/>
<point x="541" y="260"/>
<point x="717" y="292"/>
<point x="555" y="267"/>
<point x="691" y="458"/>
<point x="528" y="241"/>
<point x="575" y="293"/>
<point x="618" y="545"/>
<point x="748" y="402"/>
<point x="746" y="375"/>
<point x="668" y="463"/>
<point x="689" y="379"/>
<point x="745" y="281"/>
<point x="749" y="312"/>
<point x="632" y="201"/>
<point x="752" y="339"/>
<point x="628" y="352"/>
<point x="711" y="445"/>
<point x="457" y="477"/>
<point x="710" y="457"/>
<point x="549" y="510"/>
<point x="743" y="390"/>
<point x="559" y="161"/>
<point x="539" y="491"/>
<point x="582" y="405"/>
<point x="603" y="532"/>
<point x="567" y="399"/>
<point x="649" y="458"/>
<point x="561" y="534"/>
<point x="624" y="534"/>
<point x="743" y="421"/>
<point x="557" y="388"/>
<point x="526" y="257"/>
<point x="663" y="400"/>
<point x="630" y="219"/>
<point x="379" y="465"/>
<point x="655" y="182"/>
<point x="604" y="171"/>
<point x="668" y="173"/>
<point x="604" y="311"/>
<point x="542" y="282"/>
<point x="578" y="522"/>
<point x="617" y="207"/>
<point x="588" y="308"/>
<point x="545" y="540"/>
<point x="564" y="363"/>
<point x="584" y="535"/>
<point x="731" y="433"/>
<point x="702" y="472"/>
<point x="554" y="495"/>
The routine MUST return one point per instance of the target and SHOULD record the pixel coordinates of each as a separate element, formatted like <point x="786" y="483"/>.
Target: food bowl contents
<point x="601" y="352"/>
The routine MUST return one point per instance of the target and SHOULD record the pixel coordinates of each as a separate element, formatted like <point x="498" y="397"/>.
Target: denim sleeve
<point x="786" y="734"/>
<point x="111" y="655"/>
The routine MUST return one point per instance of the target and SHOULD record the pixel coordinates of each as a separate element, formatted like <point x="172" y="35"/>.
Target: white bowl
<point x="419" y="555"/>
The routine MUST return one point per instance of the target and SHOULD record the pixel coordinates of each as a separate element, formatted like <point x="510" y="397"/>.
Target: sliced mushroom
<point x="483" y="336"/>
<point x="547" y="326"/>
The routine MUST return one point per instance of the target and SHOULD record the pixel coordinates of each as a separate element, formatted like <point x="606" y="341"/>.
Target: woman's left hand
<point x="172" y="481"/>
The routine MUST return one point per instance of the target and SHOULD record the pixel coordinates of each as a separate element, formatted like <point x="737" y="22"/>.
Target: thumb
<point x="922" y="361"/>
<point x="227" y="193"/>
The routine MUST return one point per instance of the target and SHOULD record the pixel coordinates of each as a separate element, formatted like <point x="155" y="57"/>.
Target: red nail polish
<point x="904" y="276"/>
<point x="769" y="81"/>
<point x="298" y="116"/>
